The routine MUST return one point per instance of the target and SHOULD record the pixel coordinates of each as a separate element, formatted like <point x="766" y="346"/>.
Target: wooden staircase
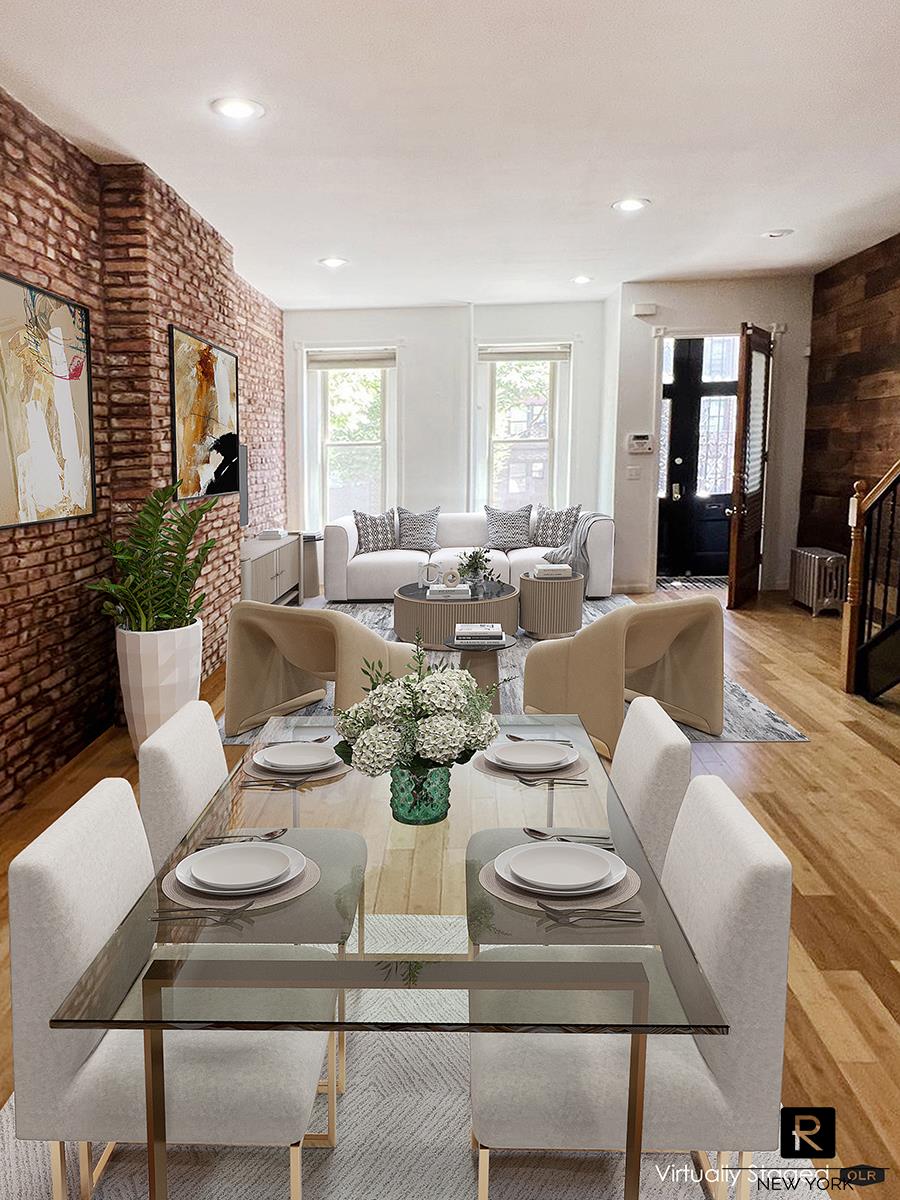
<point x="870" y="642"/>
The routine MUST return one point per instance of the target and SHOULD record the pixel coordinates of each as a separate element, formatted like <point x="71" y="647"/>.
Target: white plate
<point x="563" y="866"/>
<point x="617" y="872"/>
<point x="330" y="759"/>
<point x="297" y="756"/>
<point x="186" y="879"/>
<point x="529" y="756"/>
<point x="239" y="866"/>
<point x="568" y="754"/>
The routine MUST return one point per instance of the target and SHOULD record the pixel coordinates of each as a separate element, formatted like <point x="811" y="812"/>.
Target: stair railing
<point x="873" y="577"/>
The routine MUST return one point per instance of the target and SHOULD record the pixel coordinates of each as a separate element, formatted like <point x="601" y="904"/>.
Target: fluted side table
<point x="551" y="608"/>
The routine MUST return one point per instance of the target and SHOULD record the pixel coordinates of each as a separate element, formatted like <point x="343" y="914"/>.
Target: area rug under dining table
<point x="747" y="718"/>
<point x="403" y="1131"/>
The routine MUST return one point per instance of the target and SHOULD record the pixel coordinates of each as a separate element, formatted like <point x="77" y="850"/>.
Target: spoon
<point x="541" y="835"/>
<point x="272" y="835"/>
<point x="514" y="737"/>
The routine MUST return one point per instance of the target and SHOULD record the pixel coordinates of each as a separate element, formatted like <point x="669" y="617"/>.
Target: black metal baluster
<point x="888" y="554"/>
<point x="875" y="540"/>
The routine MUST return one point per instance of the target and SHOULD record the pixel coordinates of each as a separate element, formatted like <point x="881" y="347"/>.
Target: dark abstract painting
<point x="204" y="389"/>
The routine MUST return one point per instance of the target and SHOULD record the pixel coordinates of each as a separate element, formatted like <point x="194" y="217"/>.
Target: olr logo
<point x="808" y="1133"/>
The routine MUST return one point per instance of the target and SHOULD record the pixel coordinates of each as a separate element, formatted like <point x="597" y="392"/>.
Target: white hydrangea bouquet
<point x="415" y="727"/>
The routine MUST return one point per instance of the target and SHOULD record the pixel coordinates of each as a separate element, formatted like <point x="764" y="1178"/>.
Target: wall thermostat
<point x="640" y="443"/>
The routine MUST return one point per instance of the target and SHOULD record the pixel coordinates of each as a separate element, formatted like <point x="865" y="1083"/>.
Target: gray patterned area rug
<point x="403" y="1131"/>
<point x="691" y="583"/>
<point x="747" y="719"/>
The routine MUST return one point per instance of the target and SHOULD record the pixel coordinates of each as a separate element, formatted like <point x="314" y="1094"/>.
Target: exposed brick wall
<point x="164" y="264"/>
<point x="853" y="407"/>
<point x="121" y="241"/>
<point x="56" y="649"/>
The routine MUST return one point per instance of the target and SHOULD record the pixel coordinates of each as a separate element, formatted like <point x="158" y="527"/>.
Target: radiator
<point x="818" y="578"/>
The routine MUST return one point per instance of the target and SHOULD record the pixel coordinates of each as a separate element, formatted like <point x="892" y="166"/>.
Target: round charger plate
<point x="288" y="890"/>
<point x="185" y="877"/>
<point x="335" y="771"/>
<point x="572" y="771"/>
<point x="528" y="756"/>
<point x="562" y="866"/>
<point x="295" y="758"/>
<point x="627" y="887"/>
<point x="243" y="866"/>
<point x="617" y="872"/>
<point x="568" y="755"/>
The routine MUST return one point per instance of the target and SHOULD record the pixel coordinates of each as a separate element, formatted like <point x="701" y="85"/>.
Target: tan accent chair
<point x="280" y="658"/>
<point x="671" y="651"/>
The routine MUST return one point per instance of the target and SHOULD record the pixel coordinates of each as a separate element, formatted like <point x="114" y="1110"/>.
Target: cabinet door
<point x="288" y="567"/>
<point x="265" y="582"/>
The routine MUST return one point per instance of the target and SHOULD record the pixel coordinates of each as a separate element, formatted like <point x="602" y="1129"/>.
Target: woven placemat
<point x="623" y="890"/>
<point x="287" y="891"/>
<point x="572" y="771"/>
<point x="335" y="772"/>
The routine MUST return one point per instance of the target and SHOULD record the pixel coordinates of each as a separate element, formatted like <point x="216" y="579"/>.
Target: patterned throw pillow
<point x="418" y="531"/>
<point x="508" y="530"/>
<point x="554" y="526"/>
<point x="375" y="532"/>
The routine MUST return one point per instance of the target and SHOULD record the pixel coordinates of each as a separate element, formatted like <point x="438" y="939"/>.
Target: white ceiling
<point x="468" y="150"/>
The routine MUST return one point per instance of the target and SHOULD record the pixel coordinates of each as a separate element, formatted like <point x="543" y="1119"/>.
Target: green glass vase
<point x="420" y="798"/>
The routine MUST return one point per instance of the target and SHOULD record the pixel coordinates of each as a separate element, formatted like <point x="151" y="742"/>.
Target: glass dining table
<point x="516" y="969"/>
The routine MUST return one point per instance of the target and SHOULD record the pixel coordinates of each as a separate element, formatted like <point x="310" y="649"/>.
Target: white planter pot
<point x="159" y="673"/>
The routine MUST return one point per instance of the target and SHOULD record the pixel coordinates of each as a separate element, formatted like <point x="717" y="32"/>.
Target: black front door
<point x="696" y="454"/>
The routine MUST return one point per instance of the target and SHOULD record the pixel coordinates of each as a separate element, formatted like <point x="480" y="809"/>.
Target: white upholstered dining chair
<point x="651" y="769"/>
<point x="730" y="888"/>
<point x="182" y="766"/>
<point x="68" y="892"/>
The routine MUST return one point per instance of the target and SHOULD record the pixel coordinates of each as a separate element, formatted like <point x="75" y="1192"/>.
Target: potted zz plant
<point x="153" y="600"/>
<point x="416" y="727"/>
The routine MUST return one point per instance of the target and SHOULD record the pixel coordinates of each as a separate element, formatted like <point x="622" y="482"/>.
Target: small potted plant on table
<point x="416" y="727"/>
<point x="475" y="568"/>
<point x="159" y="636"/>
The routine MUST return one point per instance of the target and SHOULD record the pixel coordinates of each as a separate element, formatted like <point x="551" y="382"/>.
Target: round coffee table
<point x="551" y="608"/>
<point x="436" y="620"/>
<point x="482" y="664"/>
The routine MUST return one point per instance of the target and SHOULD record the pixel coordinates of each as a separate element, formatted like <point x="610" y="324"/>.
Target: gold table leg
<point x="155" y="1088"/>
<point x="635" y="1127"/>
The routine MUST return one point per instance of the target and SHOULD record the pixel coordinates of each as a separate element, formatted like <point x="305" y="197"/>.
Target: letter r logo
<point x="808" y="1133"/>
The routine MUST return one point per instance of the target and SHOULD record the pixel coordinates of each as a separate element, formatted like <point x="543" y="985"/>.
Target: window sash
<point x="548" y="439"/>
<point x="327" y="443"/>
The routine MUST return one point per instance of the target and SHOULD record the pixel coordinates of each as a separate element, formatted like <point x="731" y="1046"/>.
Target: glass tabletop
<point x="436" y="949"/>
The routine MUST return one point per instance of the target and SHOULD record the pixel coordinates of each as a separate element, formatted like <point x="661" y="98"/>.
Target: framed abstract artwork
<point x="203" y="385"/>
<point x="46" y="425"/>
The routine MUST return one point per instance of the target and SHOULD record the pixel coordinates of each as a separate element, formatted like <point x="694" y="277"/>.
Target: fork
<point x="570" y="913"/>
<point x="207" y="910"/>
<point x="554" y="782"/>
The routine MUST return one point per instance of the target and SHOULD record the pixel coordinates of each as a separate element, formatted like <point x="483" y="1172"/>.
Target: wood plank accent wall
<point x="853" y="406"/>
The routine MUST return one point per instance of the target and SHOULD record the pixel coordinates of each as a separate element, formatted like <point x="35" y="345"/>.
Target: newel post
<point x="853" y="604"/>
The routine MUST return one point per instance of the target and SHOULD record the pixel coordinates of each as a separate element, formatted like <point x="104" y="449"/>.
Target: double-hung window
<point x="524" y="388"/>
<point x="348" y="465"/>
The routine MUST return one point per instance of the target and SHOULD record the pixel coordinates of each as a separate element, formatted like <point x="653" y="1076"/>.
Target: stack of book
<point x="551" y="571"/>
<point x="437" y="591"/>
<point x="480" y="636"/>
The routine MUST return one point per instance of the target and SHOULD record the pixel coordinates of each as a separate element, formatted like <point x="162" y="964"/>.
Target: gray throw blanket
<point x="574" y="551"/>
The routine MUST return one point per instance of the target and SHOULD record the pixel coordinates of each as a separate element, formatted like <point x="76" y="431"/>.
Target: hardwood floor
<point x="830" y="803"/>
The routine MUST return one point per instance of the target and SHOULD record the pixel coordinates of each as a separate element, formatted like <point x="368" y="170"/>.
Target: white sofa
<point x="352" y="576"/>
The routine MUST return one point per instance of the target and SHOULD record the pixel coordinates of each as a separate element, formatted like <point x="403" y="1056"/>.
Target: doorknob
<point x="729" y="512"/>
<point x="676" y="491"/>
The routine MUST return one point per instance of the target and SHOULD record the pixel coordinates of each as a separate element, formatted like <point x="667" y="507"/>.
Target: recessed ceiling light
<point x="631" y="204"/>
<point x="333" y="264"/>
<point x="582" y="279"/>
<point x="236" y="109"/>
<point x="777" y="233"/>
